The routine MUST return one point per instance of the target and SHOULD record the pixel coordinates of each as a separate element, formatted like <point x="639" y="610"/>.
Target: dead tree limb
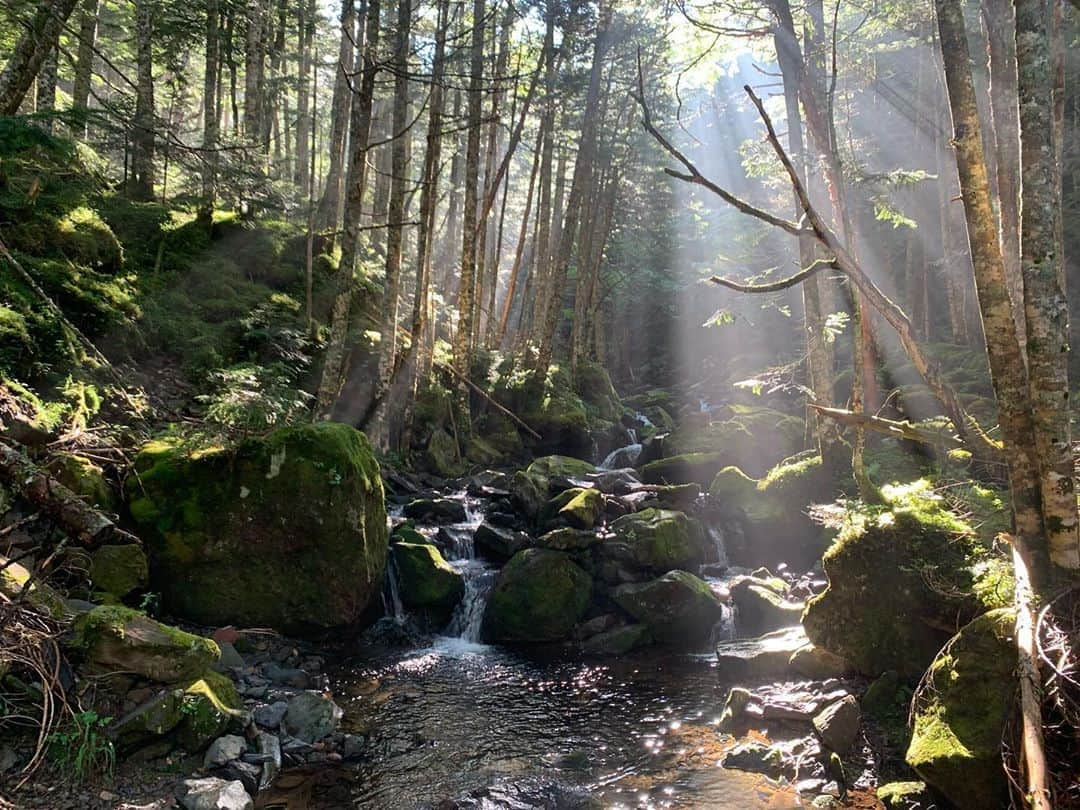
<point x="973" y="436"/>
<point x="889" y="427"/>
<point x="776" y="286"/>
<point x="73" y="515"/>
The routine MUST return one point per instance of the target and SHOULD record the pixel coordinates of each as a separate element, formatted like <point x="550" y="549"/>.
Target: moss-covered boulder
<point x="753" y="438"/>
<point x="83" y="477"/>
<point x="551" y="407"/>
<point x="962" y="710"/>
<point x="899" y="577"/>
<point x="904" y="796"/>
<point x="287" y="531"/>
<point x="762" y="605"/>
<point x="578" y="508"/>
<point x="677" y="608"/>
<point x="118" y="639"/>
<point x="530" y="489"/>
<point x="442" y="455"/>
<point x="593" y="384"/>
<point x="686" y="468"/>
<point x="568" y="539"/>
<point x="16" y="583"/>
<point x="539" y="596"/>
<point x="661" y="539"/>
<point x="427" y="581"/>
<point x="119" y="570"/>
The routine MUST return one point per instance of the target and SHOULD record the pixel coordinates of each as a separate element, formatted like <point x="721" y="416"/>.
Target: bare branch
<point x="776" y="286"/>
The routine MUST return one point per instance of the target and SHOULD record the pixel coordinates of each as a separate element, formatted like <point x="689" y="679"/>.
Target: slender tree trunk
<point x="253" y="71"/>
<point x="515" y="268"/>
<point x="84" y="64"/>
<point x="1046" y="309"/>
<point x="466" y="302"/>
<point x="304" y="123"/>
<point x="543" y="250"/>
<point x="1000" y="31"/>
<point x="210" y="115"/>
<point x="142" y="134"/>
<point x="329" y="215"/>
<point x="582" y="167"/>
<point x="230" y="58"/>
<point x="31" y="51"/>
<point x="46" y="89"/>
<point x="344" y="287"/>
<point x="449" y="254"/>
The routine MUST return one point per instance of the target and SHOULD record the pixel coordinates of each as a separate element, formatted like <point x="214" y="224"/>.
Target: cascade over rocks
<point x="287" y="531"/>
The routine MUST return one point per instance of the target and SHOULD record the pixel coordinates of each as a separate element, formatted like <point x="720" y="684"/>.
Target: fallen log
<point x="890" y="427"/>
<point x="72" y="514"/>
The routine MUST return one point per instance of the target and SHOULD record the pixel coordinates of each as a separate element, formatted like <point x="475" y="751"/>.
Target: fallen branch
<point x="71" y="513"/>
<point x="890" y="427"/>
<point x="501" y="408"/>
<point x="1033" y="750"/>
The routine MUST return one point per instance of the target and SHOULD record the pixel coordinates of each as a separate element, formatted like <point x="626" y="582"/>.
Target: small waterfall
<point x="717" y="536"/>
<point x="469" y="615"/>
<point x="623" y="457"/>
<point x="391" y="595"/>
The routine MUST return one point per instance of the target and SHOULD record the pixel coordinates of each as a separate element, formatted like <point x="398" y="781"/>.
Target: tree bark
<point x="542" y="253"/>
<point x="211" y="117"/>
<point x="1046" y="309"/>
<point x="31" y="51"/>
<point x="254" y="56"/>
<point x="84" y="63"/>
<point x="46" y="89"/>
<point x="329" y="215"/>
<point x="304" y="122"/>
<point x="142" y="133"/>
<point x="515" y="268"/>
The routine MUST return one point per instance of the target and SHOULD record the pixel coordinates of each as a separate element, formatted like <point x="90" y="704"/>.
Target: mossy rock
<point x="530" y="488"/>
<point x="549" y="467"/>
<point x="481" y="451"/>
<point x="538" y="597"/>
<point x="899" y="576"/>
<point x="568" y="539"/>
<point x="662" y="539"/>
<point x="427" y="581"/>
<point x="112" y="638"/>
<point x="38" y="595"/>
<point x="678" y="608"/>
<point x="904" y="796"/>
<point x="442" y="456"/>
<point x="578" y="508"/>
<point x="406" y="533"/>
<point x="961" y="713"/>
<point x="550" y="407"/>
<point x="83" y="477"/>
<point x="593" y="384"/>
<point x="762" y="605"/>
<point x="119" y="570"/>
<point x="753" y="438"/>
<point x="287" y="531"/>
<point x="688" y="468"/>
<point x="619" y="641"/>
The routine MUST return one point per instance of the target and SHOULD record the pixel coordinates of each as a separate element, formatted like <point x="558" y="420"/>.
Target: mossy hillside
<point x="902" y="577"/>
<point x="539" y="596"/>
<point x="961" y="714"/>
<point x="287" y="531"/>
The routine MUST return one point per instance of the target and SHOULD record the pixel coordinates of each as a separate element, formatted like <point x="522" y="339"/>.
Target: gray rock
<point x="311" y="716"/>
<point x="287" y="676"/>
<point x="838" y="724"/>
<point x="755" y="757"/>
<point x="244" y="772"/>
<point x="735" y="706"/>
<point x="213" y="794"/>
<point x="230" y="658"/>
<point x="269" y="747"/>
<point x="352" y="747"/>
<point x="271" y="714"/>
<point x="223" y="750"/>
<point x="440" y="510"/>
<point x="763" y="657"/>
<point x="499" y="544"/>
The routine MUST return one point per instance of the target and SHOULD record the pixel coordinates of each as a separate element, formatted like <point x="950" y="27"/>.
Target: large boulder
<point x="763" y="604"/>
<point x="531" y="488"/>
<point x="119" y="570"/>
<point x="115" y="638"/>
<point x="661" y="539"/>
<point x="83" y="477"/>
<point x="899" y="577"/>
<point x="686" y="468"/>
<point x="962" y="710"/>
<point x="287" y="531"/>
<point x="577" y="507"/>
<point x="538" y="596"/>
<point x="767" y="656"/>
<point x="428" y="582"/>
<point x="677" y="608"/>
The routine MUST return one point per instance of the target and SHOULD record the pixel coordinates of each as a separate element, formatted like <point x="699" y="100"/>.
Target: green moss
<point x="208" y="705"/>
<point x="538" y="597"/>
<point x="580" y="508"/>
<point x="593" y="384"/>
<point x="550" y="406"/>
<point x="699" y="468"/>
<point x="119" y="570"/>
<point x="753" y="438"/>
<point x="287" y="531"/>
<point x="677" y="608"/>
<point x="662" y="539"/>
<point x="39" y="595"/>
<point x="426" y="579"/>
<point x="83" y="477"/>
<point x="904" y="795"/>
<point x="960" y="715"/>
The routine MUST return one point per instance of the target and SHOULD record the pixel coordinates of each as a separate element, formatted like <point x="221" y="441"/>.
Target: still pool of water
<point x="459" y="724"/>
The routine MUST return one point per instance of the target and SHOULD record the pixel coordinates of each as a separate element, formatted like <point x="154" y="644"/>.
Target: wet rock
<point x="904" y="796"/>
<point x="119" y="570"/>
<point x="763" y="657"/>
<point x="224" y="750"/>
<point x="811" y="661"/>
<point x="270" y="715"/>
<point x="615" y="482"/>
<point x="618" y="641"/>
<point x="962" y="710"/>
<point x="426" y="580"/>
<point x="352" y="746"/>
<point x="438" y="510"/>
<point x="838" y="725"/>
<point x="311" y="716"/>
<point x="499" y="544"/>
<point x="116" y="638"/>
<point x="230" y="658"/>
<point x="762" y="605"/>
<point x="738" y="699"/>
<point x="286" y="676"/>
<point x="755" y="757"/>
<point x="285" y="531"/>
<point x="568" y="539"/>
<point x="212" y="793"/>
<point x="268" y="749"/>
<point x="678" y="608"/>
<point x="660" y="540"/>
<point x="538" y="596"/>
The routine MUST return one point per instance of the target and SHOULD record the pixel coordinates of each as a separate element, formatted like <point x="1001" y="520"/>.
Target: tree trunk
<point x="253" y="71"/>
<point x="515" y="269"/>
<point x="84" y="64"/>
<point x="46" y="89"/>
<point x="329" y="215"/>
<point x="211" y="120"/>
<point x="582" y="167"/>
<point x="31" y="51"/>
<point x="466" y="301"/>
<point x="142" y="134"/>
<point x="304" y="123"/>
<point x="344" y="286"/>
<point x="1046" y="309"/>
